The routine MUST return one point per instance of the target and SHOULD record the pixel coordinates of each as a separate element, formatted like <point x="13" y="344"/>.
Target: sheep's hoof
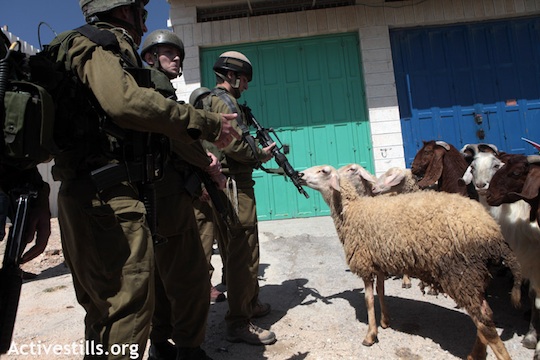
<point x="367" y="342"/>
<point x="529" y="341"/>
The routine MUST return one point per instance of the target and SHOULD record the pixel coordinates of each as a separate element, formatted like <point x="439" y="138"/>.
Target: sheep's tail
<point x="512" y="263"/>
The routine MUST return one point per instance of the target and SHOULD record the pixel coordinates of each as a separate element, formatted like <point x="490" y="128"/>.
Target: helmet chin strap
<point x="234" y="85"/>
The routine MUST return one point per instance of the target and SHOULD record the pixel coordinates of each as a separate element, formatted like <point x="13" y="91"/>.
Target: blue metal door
<point x="469" y="83"/>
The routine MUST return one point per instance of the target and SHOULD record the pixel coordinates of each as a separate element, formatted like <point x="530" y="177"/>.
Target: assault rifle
<point x="263" y="135"/>
<point x="214" y="194"/>
<point x="11" y="273"/>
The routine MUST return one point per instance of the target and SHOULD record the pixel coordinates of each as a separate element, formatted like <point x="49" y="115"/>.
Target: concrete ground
<point x="318" y="307"/>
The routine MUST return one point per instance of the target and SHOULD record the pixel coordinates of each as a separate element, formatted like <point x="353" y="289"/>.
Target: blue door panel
<point x="469" y="83"/>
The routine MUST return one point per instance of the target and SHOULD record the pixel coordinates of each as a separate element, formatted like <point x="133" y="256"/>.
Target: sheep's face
<point x="320" y="178"/>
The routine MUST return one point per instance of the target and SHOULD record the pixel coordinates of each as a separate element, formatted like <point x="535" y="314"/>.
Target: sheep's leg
<point x="406" y="283"/>
<point x="371" y="336"/>
<point x="479" y="351"/>
<point x="530" y="340"/>
<point x="486" y="335"/>
<point x="385" y="317"/>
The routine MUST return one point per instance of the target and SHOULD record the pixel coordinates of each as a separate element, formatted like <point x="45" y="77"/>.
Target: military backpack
<point x="43" y="101"/>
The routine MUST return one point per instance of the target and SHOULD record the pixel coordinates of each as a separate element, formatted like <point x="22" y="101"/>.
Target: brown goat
<point x="441" y="163"/>
<point x="518" y="179"/>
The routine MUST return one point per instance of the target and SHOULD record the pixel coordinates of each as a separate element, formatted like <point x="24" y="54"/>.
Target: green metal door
<point x="311" y="92"/>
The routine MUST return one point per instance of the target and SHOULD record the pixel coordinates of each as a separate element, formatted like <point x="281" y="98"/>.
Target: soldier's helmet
<point x="163" y="37"/>
<point x="92" y="7"/>
<point x="233" y="61"/>
<point x="197" y="95"/>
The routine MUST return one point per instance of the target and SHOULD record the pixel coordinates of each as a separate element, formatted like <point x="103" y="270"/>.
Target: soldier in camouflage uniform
<point x="106" y="239"/>
<point x="182" y="282"/>
<point x="240" y="240"/>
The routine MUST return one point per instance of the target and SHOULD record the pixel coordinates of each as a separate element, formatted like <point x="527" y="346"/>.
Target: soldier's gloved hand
<point x="38" y="224"/>
<point x="228" y="132"/>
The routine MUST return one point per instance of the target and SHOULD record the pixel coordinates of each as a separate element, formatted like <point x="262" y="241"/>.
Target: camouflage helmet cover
<point x="163" y="37"/>
<point x="92" y="7"/>
<point x="234" y="61"/>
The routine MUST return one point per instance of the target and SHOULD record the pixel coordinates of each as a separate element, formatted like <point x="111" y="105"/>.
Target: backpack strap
<point x="222" y="94"/>
<point x="105" y="39"/>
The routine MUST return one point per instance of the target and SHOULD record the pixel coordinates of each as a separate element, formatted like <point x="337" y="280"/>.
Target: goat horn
<point x="533" y="159"/>
<point x="443" y="144"/>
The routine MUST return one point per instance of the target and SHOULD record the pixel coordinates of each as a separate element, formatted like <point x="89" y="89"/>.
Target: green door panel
<point x="311" y="92"/>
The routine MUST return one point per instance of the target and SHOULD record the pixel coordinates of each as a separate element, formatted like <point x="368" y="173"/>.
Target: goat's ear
<point x="434" y="170"/>
<point x="468" y="151"/>
<point x="531" y="187"/>
<point x="334" y="182"/>
<point x="466" y="179"/>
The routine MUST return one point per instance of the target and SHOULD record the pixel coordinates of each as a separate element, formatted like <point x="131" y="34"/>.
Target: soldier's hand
<point x="228" y="132"/>
<point x="205" y="197"/>
<point x="220" y="180"/>
<point x="268" y="152"/>
<point x="214" y="168"/>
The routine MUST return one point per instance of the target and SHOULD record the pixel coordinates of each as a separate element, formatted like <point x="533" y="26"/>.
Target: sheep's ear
<point x="434" y="170"/>
<point x="366" y="175"/>
<point x="395" y="178"/>
<point x="334" y="182"/>
<point x="466" y="179"/>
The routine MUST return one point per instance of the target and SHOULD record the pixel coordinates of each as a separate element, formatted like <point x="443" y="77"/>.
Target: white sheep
<point x="362" y="179"/>
<point x="443" y="239"/>
<point x="393" y="181"/>
<point x="520" y="233"/>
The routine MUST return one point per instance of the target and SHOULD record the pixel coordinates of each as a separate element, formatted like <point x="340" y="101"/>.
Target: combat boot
<point x="162" y="351"/>
<point x="251" y="334"/>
